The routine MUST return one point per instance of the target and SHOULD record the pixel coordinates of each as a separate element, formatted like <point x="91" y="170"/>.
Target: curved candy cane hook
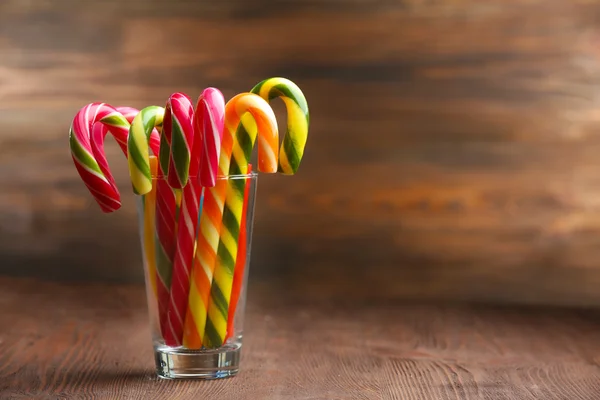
<point x="140" y="134"/>
<point x="294" y="141"/>
<point x="99" y="184"/>
<point x="98" y="135"/>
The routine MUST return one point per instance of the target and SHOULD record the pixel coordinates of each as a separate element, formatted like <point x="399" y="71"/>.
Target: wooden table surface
<point x="78" y="340"/>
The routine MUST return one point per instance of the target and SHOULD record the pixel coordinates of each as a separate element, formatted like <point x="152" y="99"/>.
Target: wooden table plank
<point x="62" y="340"/>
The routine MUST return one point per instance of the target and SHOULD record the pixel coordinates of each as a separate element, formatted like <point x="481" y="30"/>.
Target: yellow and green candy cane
<point x="241" y="150"/>
<point x="149" y="197"/>
<point x="138" y="155"/>
<point x="166" y="199"/>
<point x="298" y="119"/>
<point x="149" y="204"/>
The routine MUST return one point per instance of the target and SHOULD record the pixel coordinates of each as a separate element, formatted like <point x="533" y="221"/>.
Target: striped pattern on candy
<point x="100" y="185"/>
<point x="206" y="249"/>
<point x="166" y="201"/>
<point x="240" y="261"/>
<point x="174" y="157"/>
<point x="121" y="135"/>
<point x="167" y="209"/>
<point x="176" y="123"/>
<point x="149" y="229"/>
<point x="268" y="144"/>
<point x="137" y="147"/>
<point x="212" y="106"/>
<point x="98" y="135"/>
<point x="203" y="265"/>
<point x="129" y="113"/>
<point x="99" y="132"/>
<point x="207" y="122"/>
<point x="294" y="141"/>
<point x="177" y="139"/>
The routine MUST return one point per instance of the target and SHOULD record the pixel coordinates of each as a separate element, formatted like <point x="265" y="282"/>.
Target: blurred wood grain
<point x="453" y="151"/>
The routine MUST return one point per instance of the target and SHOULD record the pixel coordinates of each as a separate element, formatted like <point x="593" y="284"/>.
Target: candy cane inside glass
<point x="267" y="136"/>
<point x="208" y="126"/>
<point x="166" y="200"/>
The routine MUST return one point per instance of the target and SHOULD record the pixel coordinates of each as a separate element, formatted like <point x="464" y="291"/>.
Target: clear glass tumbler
<point x="196" y="284"/>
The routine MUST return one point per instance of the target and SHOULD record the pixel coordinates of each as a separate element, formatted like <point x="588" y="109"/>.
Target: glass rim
<point x="251" y="175"/>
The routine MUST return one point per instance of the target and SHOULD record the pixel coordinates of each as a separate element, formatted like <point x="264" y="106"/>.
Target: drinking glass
<point x="187" y="352"/>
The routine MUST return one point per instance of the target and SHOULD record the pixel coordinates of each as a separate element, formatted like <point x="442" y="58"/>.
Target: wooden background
<point x="454" y="150"/>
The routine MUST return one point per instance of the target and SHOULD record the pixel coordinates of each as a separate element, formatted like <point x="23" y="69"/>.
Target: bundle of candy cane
<point x="195" y="260"/>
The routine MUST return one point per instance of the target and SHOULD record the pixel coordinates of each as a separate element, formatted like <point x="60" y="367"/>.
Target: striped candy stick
<point x="268" y="144"/>
<point x="166" y="201"/>
<point x="149" y="228"/>
<point x="294" y="141"/>
<point x="164" y="156"/>
<point x="212" y="105"/>
<point x="138" y="140"/>
<point x="177" y="139"/>
<point x="98" y="135"/>
<point x="206" y="245"/>
<point x="204" y="262"/>
<point x="178" y="108"/>
<point x="101" y="185"/>
<point x="176" y="123"/>
<point x="129" y="113"/>
<point x="240" y="261"/>
<point x="207" y="122"/>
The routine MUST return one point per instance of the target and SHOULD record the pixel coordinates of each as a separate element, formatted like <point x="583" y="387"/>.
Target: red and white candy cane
<point x="177" y="139"/>
<point x="208" y="127"/>
<point x="100" y="186"/>
<point x="210" y="111"/>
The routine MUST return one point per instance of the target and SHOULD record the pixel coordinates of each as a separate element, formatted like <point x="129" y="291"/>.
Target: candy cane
<point x="178" y="136"/>
<point x="138" y="141"/>
<point x="178" y="113"/>
<point x="208" y="123"/>
<point x="268" y="143"/>
<point x="148" y="238"/>
<point x="129" y="113"/>
<point x="93" y="174"/>
<point x="294" y="141"/>
<point x="240" y="261"/>
<point x="166" y="202"/>
<point x="204" y="263"/>
<point x="212" y="116"/>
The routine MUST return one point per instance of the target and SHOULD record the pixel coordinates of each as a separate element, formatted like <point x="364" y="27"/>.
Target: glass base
<point x="179" y="363"/>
